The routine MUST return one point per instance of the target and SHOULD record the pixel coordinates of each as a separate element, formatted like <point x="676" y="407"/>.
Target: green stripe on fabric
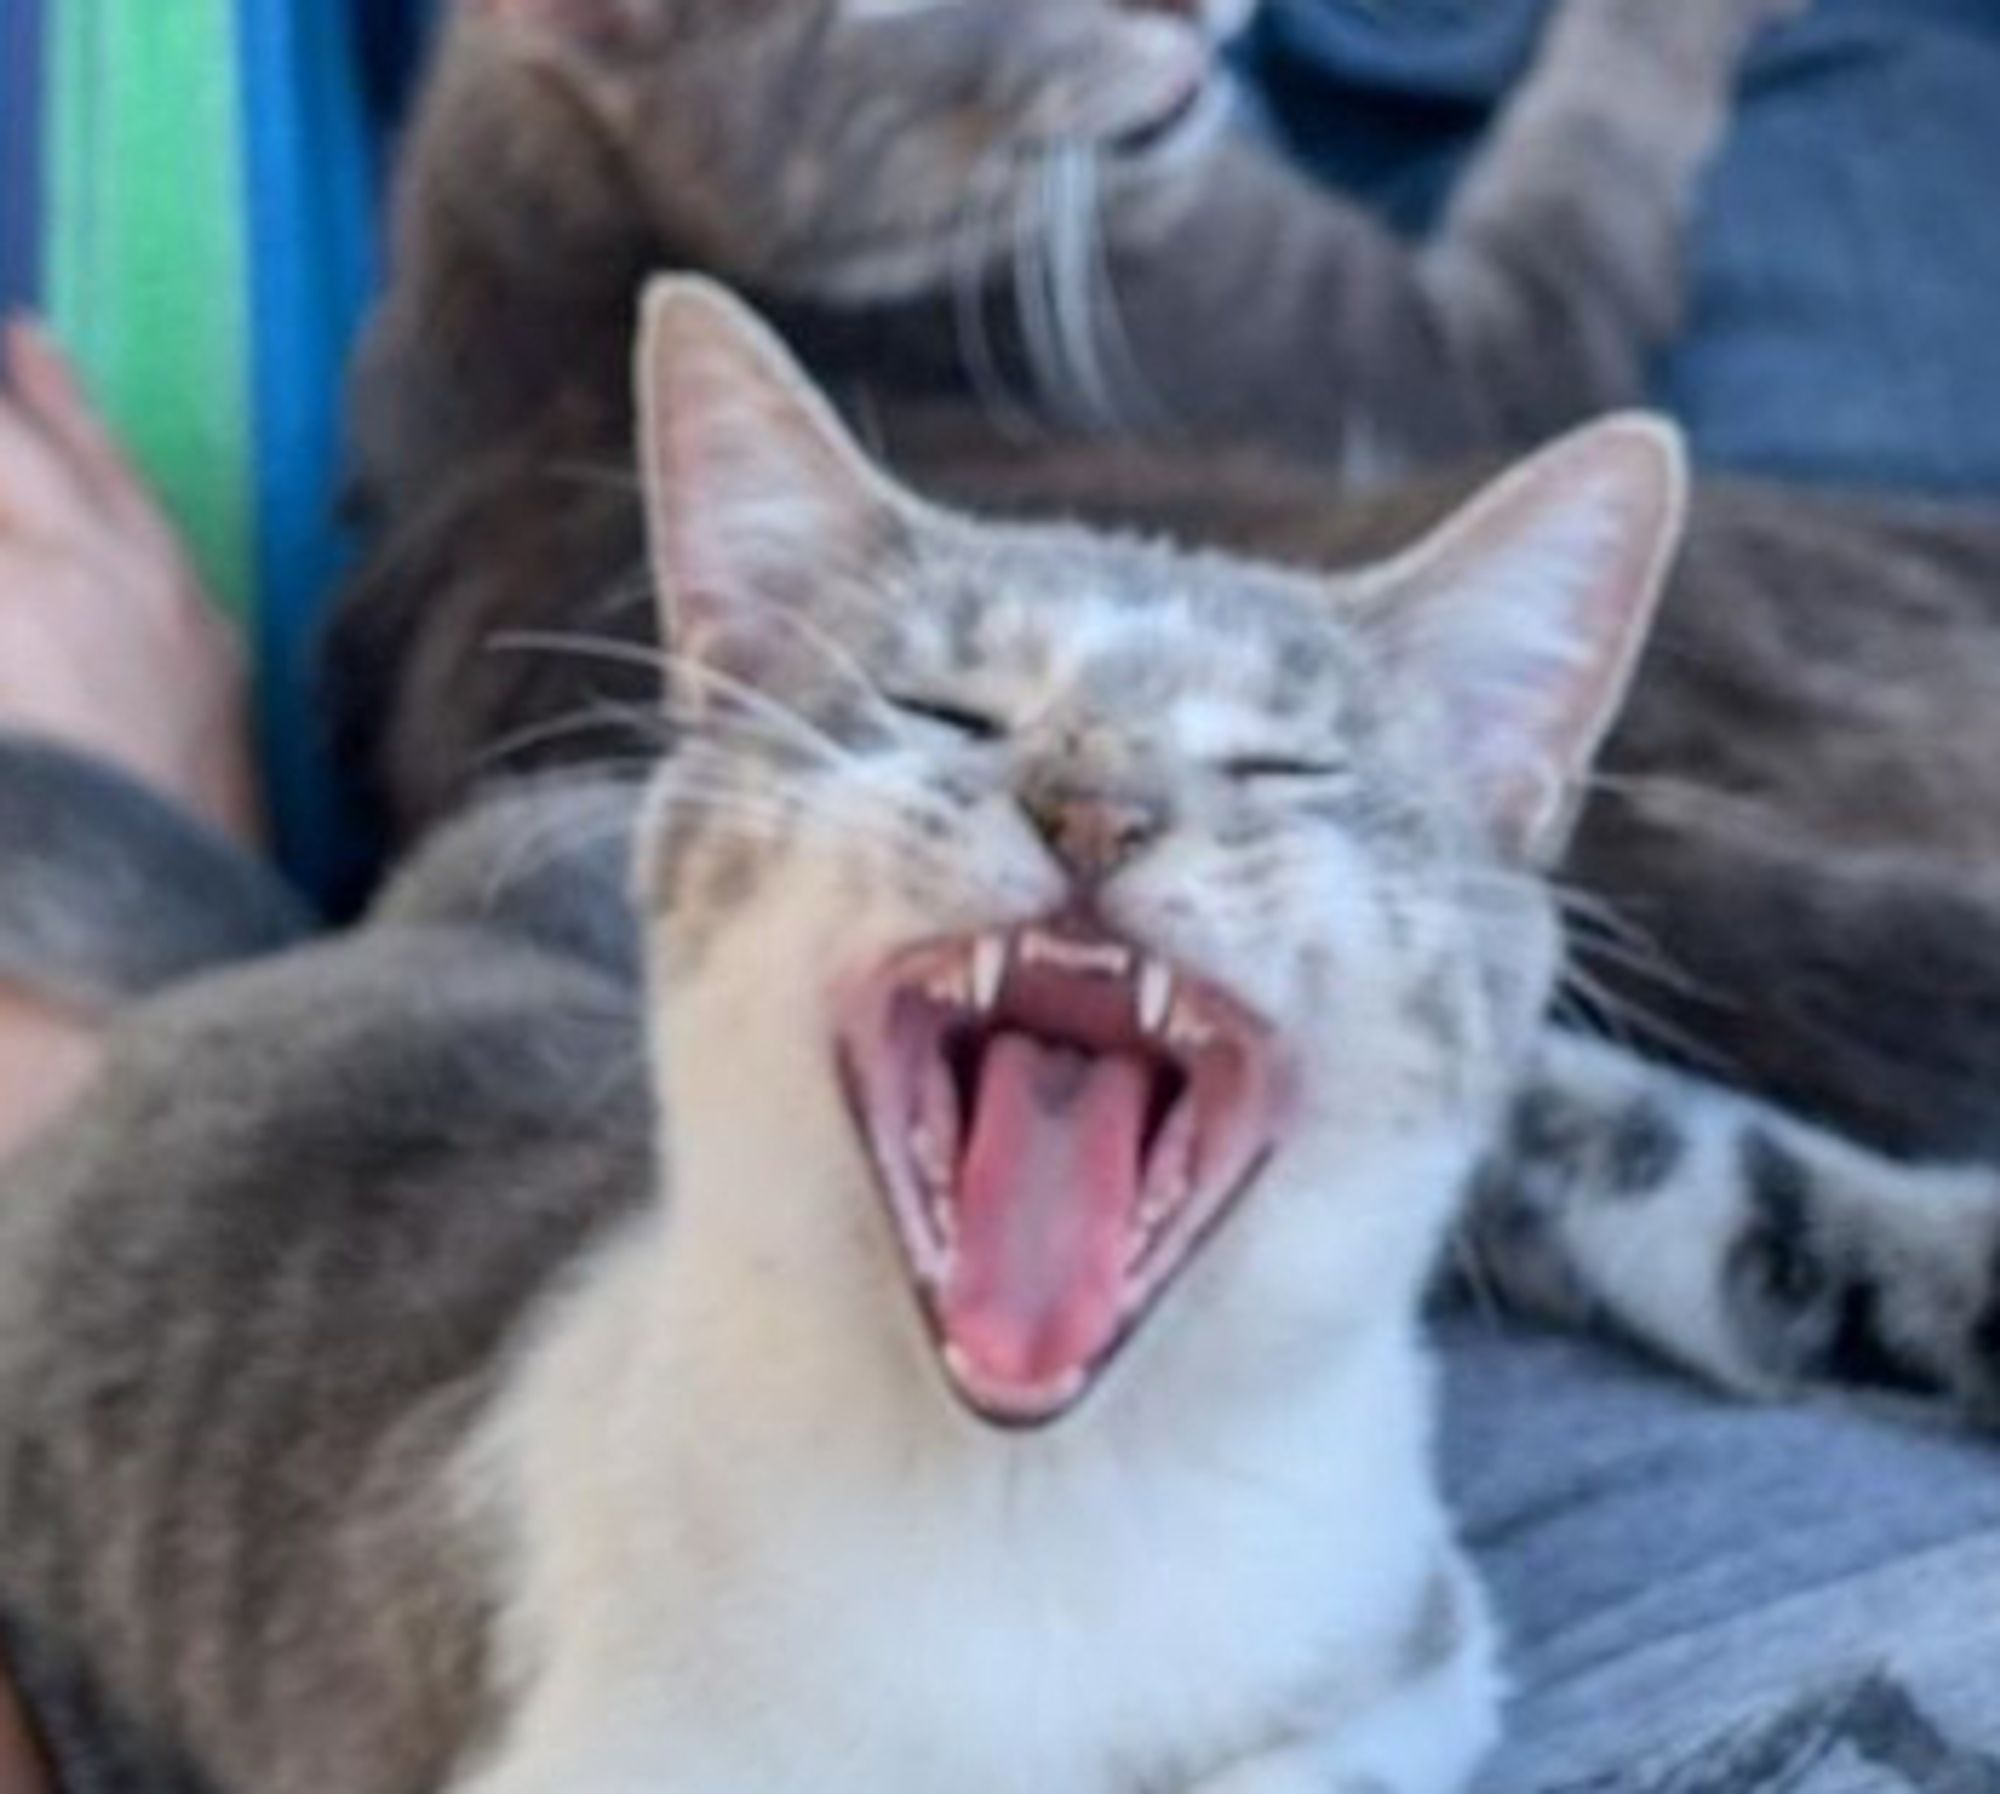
<point x="148" y="268"/>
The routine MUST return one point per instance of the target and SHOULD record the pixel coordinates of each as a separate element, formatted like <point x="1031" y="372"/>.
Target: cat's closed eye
<point x="960" y="719"/>
<point x="1260" y="768"/>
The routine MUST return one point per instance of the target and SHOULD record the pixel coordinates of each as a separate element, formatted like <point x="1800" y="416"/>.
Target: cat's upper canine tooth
<point x="1105" y="958"/>
<point x="1155" y="996"/>
<point x="989" y="967"/>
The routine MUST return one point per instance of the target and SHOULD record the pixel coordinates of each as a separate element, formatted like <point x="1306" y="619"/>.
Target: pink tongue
<point x="1046" y="1194"/>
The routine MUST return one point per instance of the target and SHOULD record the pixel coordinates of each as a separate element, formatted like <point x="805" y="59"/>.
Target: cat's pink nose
<point x="1094" y="833"/>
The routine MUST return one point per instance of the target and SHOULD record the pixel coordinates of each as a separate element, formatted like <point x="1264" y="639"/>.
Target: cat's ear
<point x="757" y="497"/>
<point x="1523" y="617"/>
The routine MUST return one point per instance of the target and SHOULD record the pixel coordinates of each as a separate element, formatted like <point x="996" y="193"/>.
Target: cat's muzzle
<point x="1058" y="1121"/>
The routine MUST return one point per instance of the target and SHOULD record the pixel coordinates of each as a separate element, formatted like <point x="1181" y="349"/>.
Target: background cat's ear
<point x="1524" y="616"/>
<point x="756" y="495"/>
<point x="592" y="28"/>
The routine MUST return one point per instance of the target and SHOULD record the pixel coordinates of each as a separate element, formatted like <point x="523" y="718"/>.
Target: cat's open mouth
<point x="1058" y="1121"/>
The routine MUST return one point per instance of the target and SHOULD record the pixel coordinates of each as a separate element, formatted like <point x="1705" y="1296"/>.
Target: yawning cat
<point x="1082" y="977"/>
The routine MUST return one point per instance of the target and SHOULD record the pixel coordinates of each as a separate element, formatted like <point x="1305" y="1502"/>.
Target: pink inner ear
<point x="758" y="498"/>
<point x="1527" y="612"/>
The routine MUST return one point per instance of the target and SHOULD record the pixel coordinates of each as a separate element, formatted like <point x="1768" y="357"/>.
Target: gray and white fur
<point x="407" y="1383"/>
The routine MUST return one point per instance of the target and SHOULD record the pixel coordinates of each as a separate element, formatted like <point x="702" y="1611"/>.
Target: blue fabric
<point x="311" y="177"/>
<point x="1845" y="328"/>
<point x="392" y="36"/>
<point x="22" y="27"/>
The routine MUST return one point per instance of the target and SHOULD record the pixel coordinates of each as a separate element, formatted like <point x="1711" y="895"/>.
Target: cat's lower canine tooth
<point x="927" y="1153"/>
<point x="989" y="967"/>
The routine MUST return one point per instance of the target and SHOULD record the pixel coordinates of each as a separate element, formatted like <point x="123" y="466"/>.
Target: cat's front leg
<point x="1256" y="307"/>
<point x="1561" y="266"/>
<point x="1702" y="41"/>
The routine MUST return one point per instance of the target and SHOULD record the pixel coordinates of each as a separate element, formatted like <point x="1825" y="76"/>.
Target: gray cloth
<point x="1705" y="1598"/>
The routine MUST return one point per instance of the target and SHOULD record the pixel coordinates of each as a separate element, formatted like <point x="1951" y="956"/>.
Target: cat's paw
<point x="1703" y="42"/>
<point x="1751" y="19"/>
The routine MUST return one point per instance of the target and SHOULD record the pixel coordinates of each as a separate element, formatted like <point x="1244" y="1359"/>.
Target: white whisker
<point x="1139" y="399"/>
<point x="1070" y="174"/>
<point x="599" y="714"/>
<point x="1033" y="301"/>
<point x="980" y="225"/>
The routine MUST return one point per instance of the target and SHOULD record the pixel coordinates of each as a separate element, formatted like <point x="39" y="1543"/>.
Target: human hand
<point x="107" y="640"/>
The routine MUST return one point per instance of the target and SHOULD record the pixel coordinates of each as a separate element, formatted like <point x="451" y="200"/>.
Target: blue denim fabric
<point x="391" y="37"/>
<point x="1847" y="316"/>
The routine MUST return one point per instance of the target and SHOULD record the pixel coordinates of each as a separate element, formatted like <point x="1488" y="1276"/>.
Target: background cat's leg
<point x="1561" y="266"/>
<point x="1767" y="1255"/>
<point x="1259" y="307"/>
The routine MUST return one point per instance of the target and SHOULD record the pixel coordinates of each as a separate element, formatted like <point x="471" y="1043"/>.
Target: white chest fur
<point x="735" y="1585"/>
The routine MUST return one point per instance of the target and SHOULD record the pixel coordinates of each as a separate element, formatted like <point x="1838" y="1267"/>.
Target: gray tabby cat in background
<point x="916" y="160"/>
<point x="970" y="217"/>
<point x="1083" y="977"/>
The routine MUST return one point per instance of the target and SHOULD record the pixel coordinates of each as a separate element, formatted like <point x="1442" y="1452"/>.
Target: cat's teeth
<point x="1187" y="1030"/>
<point x="1156" y="1208"/>
<point x="1105" y="958"/>
<point x="989" y="967"/>
<point x="928" y="1155"/>
<point x="1156" y="996"/>
<point x="948" y="987"/>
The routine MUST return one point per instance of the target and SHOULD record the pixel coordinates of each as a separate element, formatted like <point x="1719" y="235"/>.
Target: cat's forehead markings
<point x="1132" y="677"/>
<point x="883" y="12"/>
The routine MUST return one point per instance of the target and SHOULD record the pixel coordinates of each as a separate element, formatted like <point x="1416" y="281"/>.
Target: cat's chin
<point x="1058" y="1121"/>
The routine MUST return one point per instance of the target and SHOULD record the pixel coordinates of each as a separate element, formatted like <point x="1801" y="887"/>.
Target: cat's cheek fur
<point x="1406" y="1013"/>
